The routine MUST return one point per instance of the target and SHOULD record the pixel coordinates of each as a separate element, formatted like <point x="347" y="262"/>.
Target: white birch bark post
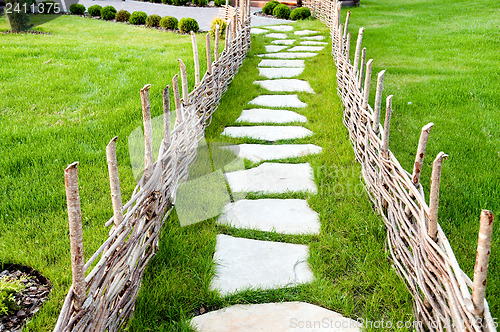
<point x="196" y="60"/>
<point x="482" y="262"/>
<point x="233" y="27"/>
<point x="347" y="47"/>
<point x="242" y="11"/>
<point x="419" y="158"/>
<point x="228" y="34"/>
<point x="378" y="101"/>
<point x="216" y="44"/>
<point x="177" y="99"/>
<point x="209" y="54"/>
<point x="339" y="8"/>
<point x="114" y="181"/>
<point x="148" y="133"/>
<point x="166" y="117"/>
<point x="346" y="25"/>
<point x="75" y="234"/>
<point x="341" y="41"/>
<point x="361" y="67"/>
<point x="358" y="51"/>
<point x="387" y="127"/>
<point x="184" y="82"/>
<point x="434" y="196"/>
<point x="366" y="90"/>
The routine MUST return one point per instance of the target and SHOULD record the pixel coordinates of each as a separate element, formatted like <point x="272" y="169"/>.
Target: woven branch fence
<point x="444" y="296"/>
<point x="105" y="297"/>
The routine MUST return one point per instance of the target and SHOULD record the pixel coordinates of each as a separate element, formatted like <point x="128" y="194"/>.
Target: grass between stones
<point x="352" y="271"/>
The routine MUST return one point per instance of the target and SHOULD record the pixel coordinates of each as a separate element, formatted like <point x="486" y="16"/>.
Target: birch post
<point x="196" y="60"/>
<point x="419" y="158"/>
<point x="148" y="132"/>
<point x="216" y="44"/>
<point x="166" y="117"/>
<point x="368" y="78"/>
<point x="75" y="234"/>
<point x="346" y="24"/>
<point x="434" y="196"/>
<point x="114" y="181"/>
<point x="209" y="54"/>
<point x="228" y="36"/>
<point x="341" y="42"/>
<point x="482" y="262"/>
<point x="361" y="67"/>
<point x="357" y="53"/>
<point x="347" y="46"/>
<point x="184" y="81"/>
<point x="234" y="23"/>
<point x="177" y="99"/>
<point x="387" y="127"/>
<point x="378" y="101"/>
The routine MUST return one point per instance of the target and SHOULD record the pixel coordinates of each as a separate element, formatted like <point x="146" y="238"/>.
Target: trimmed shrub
<point x="156" y="1"/>
<point x="108" y="13"/>
<point x="269" y="7"/>
<point x="94" y="10"/>
<point x="167" y="2"/>
<point x="169" y="23"/>
<point x="222" y="26"/>
<point x="300" y="13"/>
<point x="219" y="3"/>
<point x="282" y="11"/>
<point x="179" y="2"/>
<point x="138" y="18"/>
<point x="153" y="21"/>
<point x="77" y="9"/>
<point x="200" y="3"/>
<point x="188" y="24"/>
<point x="122" y="16"/>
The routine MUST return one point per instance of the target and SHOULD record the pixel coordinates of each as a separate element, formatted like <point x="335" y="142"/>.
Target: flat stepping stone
<point x="305" y="32"/>
<point x="260" y="152"/>
<point x="282" y="63"/>
<point x="283" y="42"/>
<point x="267" y="133"/>
<point x="274" y="48"/>
<point x="277" y="35"/>
<point x="280" y="72"/>
<point x="272" y="317"/>
<point x="273" y="178"/>
<point x="282" y="28"/>
<point x="288" y="55"/>
<point x="278" y="101"/>
<point x="285" y="216"/>
<point x="306" y="48"/>
<point x="312" y="42"/>
<point x="264" y="115"/>
<point x="257" y="31"/>
<point x="313" y="38"/>
<point x="285" y="85"/>
<point x="244" y="263"/>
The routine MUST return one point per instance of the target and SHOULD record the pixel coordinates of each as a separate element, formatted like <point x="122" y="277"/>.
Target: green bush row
<point x="199" y="3"/>
<point x="279" y="10"/>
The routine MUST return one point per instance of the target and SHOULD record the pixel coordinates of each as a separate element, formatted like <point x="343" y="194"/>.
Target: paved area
<point x="203" y="15"/>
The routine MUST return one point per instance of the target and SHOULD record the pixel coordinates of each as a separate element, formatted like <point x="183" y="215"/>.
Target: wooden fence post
<point x="177" y="99"/>
<point x="196" y="60"/>
<point x="419" y="158"/>
<point x="216" y="44"/>
<point x="148" y="133"/>
<point x="114" y="181"/>
<point x="482" y="262"/>
<point x="166" y="117"/>
<point x="434" y="197"/>
<point x="361" y="69"/>
<point x="184" y="82"/>
<point x="368" y="78"/>
<point x="347" y="47"/>
<point x="378" y="101"/>
<point x="209" y="54"/>
<point x="358" y="51"/>
<point x="346" y="25"/>
<point x="387" y="126"/>
<point x="341" y="42"/>
<point x="75" y="234"/>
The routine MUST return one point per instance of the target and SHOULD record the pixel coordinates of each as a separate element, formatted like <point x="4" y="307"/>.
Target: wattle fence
<point x="104" y="299"/>
<point x="444" y="296"/>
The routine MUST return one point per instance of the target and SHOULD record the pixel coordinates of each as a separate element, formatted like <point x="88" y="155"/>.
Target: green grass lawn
<point x="64" y="96"/>
<point x="443" y="66"/>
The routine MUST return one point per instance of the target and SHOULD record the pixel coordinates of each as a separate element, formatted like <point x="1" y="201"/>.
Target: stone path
<point x="241" y="263"/>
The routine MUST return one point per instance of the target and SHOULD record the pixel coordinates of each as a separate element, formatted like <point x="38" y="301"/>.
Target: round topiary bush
<point x="179" y="2"/>
<point x="222" y="27"/>
<point x="77" y="9"/>
<point x="108" y="13"/>
<point x="94" y="10"/>
<point x="169" y="23"/>
<point x="282" y="11"/>
<point x="300" y="13"/>
<point x="138" y="18"/>
<point x="269" y="7"/>
<point x="219" y="3"/>
<point x="200" y="3"/>
<point x="122" y="16"/>
<point x="153" y="21"/>
<point x="188" y="24"/>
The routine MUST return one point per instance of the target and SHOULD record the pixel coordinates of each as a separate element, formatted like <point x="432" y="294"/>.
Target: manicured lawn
<point x="443" y="66"/>
<point x="64" y="96"/>
<point x="353" y="274"/>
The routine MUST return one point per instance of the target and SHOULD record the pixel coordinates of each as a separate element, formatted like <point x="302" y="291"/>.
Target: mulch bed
<point x="30" y="299"/>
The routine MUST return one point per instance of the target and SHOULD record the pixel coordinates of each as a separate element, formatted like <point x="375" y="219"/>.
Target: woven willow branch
<point x="419" y="249"/>
<point x="107" y="295"/>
